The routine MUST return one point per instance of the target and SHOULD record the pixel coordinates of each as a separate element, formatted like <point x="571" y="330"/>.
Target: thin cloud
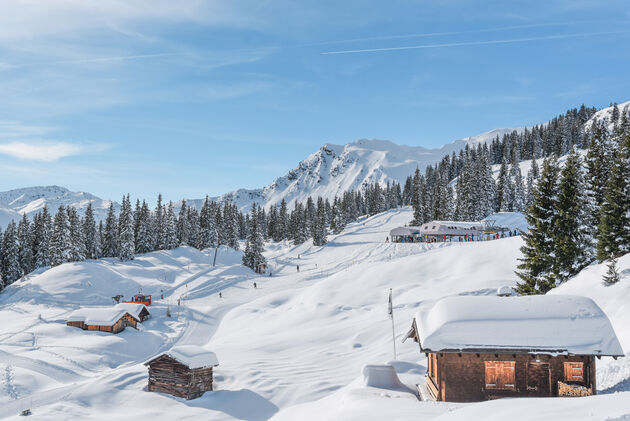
<point x="472" y="43"/>
<point x="47" y="151"/>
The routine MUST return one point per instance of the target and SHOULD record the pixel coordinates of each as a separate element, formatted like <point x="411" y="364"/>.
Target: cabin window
<point x="574" y="372"/>
<point x="500" y="375"/>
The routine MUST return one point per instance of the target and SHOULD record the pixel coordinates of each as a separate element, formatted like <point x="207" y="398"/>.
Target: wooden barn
<point x="487" y="347"/>
<point x="104" y="319"/>
<point x="184" y="371"/>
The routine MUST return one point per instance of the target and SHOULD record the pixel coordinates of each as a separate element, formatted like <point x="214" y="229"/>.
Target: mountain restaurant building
<point x="487" y="347"/>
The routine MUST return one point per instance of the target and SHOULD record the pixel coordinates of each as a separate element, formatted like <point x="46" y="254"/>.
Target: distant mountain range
<point x="329" y="171"/>
<point x="30" y="200"/>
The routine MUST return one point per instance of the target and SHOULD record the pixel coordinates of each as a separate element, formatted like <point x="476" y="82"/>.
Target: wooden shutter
<point x="500" y="375"/>
<point x="574" y="372"/>
<point x="491" y="374"/>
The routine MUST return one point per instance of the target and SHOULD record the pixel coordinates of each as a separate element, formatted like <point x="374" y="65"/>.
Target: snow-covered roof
<point x="450" y="227"/>
<point x="102" y="316"/>
<point x="557" y="324"/>
<point x="193" y="356"/>
<point x="404" y="231"/>
<point x="132" y="308"/>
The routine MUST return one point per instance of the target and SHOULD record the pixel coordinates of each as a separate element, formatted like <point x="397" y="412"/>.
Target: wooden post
<point x="216" y="250"/>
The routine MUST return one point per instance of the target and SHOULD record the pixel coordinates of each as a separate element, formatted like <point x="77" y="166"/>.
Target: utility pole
<point x="391" y="315"/>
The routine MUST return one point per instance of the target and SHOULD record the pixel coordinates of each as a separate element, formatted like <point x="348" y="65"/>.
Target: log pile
<point x="565" y="389"/>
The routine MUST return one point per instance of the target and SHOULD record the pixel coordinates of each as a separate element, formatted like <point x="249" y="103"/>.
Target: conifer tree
<point x="170" y="228"/>
<point x="612" y="274"/>
<point x="537" y="263"/>
<point x="183" y="225"/>
<point x="61" y="240"/>
<point x="160" y="241"/>
<point x="11" y="270"/>
<point x="43" y="230"/>
<point x="126" y="245"/>
<point x="25" y="241"/>
<point x="208" y="226"/>
<point x="77" y="240"/>
<point x="571" y="241"/>
<point x="110" y="235"/>
<point x="90" y="234"/>
<point x="254" y="247"/>
<point x="146" y="230"/>
<point x="613" y="233"/>
<point x="319" y="225"/>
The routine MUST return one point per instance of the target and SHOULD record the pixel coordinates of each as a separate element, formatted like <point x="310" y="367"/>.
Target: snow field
<point x="292" y="349"/>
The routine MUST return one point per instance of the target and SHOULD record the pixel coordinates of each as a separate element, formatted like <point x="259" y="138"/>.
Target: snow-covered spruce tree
<point x="208" y="226"/>
<point x="505" y="189"/>
<point x="318" y="230"/>
<point x="532" y="176"/>
<point x="170" y="228"/>
<point x="416" y="199"/>
<point x="537" y="263"/>
<point x="183" y="225"/>
<point x="77" y="252"/>
<point x="486" y="188"/>
<point x="1" y="260"/>
<point x="571" y="240"/>
<point x="25" y="241"/>
<point x="230" y="225"/>
<point x="599" y="160"/>
<point x="519" y="188"/>
<point x="146" y="230"/>
<point x="61" y="239"/>
<point x="613" y="232"/>
<point x="11" y="270"/>
<point x="160" y="242"/>
<point x="612" y="274"/>
<point x="283" y="222"/>
<point x="110" y="236"/>
<point x="126" y="245"/>
<point x="90" y="234"/>
<point x="193" y="227"/>
<point x="43" y="234"/>
<point x="254" y="247"/>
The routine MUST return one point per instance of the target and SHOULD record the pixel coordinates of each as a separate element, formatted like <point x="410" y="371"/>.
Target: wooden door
<point x="538" y="379"/>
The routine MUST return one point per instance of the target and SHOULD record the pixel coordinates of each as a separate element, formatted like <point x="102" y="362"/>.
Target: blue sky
<point x="199" y="97"/>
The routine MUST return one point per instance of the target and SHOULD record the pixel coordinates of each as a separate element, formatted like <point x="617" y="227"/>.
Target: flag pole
<point x="391" y="315"/>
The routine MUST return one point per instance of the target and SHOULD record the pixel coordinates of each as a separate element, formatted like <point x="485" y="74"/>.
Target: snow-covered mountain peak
<point x="30" y="200"/>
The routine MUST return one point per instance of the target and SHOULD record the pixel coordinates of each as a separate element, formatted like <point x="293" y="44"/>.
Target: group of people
<point x="462" y="238"/>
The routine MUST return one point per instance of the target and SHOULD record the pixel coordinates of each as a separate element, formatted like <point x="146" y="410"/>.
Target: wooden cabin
<point x="261" y="268"/>
<point x="103" y="319"/>
<point x="184" y="371"/>
<point x="486" y="347"/>
<point x="139" y="310"/>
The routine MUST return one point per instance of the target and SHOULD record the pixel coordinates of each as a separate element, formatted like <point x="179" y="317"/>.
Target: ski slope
<point x="291" y="349"/>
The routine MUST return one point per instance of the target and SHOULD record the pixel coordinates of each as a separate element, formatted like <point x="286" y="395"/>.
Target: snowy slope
<point x="30" y="200"/>
<point x="293" y="348"/>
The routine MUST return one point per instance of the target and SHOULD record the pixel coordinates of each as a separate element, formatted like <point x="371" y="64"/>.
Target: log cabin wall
<point x="167" y="375"/>
<point x="477" y="377"/>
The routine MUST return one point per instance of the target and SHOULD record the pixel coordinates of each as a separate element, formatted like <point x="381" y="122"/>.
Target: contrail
<point x="114" y="58"/>
<point x="472" y="43"/>
<point x="438" y="34"/>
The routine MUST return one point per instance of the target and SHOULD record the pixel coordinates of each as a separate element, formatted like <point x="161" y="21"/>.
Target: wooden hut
<point x="104" y="319"/>
<point x="139" y="310"/>
<point x="487" y="347"/>
<point x="184" y="371"/>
